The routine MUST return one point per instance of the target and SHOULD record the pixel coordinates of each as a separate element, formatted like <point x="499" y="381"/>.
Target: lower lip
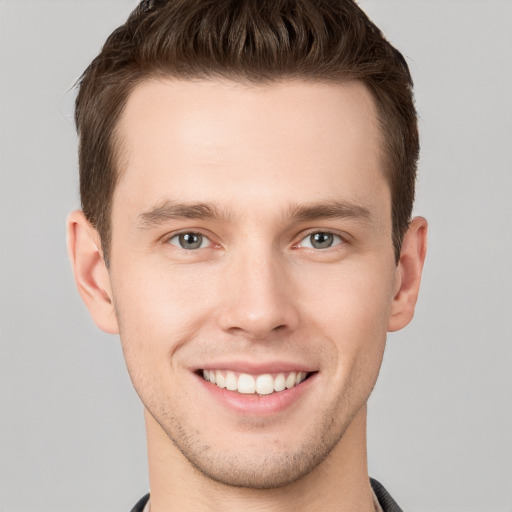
<point x="258" y="405"/>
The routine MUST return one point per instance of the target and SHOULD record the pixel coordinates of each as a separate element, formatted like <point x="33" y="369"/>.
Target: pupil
<point x="321" y="240"/>
<point x="191" y="240"/>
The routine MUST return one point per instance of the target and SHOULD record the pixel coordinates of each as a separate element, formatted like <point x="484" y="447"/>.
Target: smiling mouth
<point x="246" y="384"/>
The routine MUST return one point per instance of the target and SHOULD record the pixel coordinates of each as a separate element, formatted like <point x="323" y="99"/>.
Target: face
<point x="252" y="269"/>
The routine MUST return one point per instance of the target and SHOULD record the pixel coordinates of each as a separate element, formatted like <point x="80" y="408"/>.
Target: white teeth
<point x="219" y="379"/>
<point x="246" y="384"/>
<point x="231" y="381"/>
<point x="280" y="382"/>
<point x="264" y="384"/>
<point x="291" y="380"/>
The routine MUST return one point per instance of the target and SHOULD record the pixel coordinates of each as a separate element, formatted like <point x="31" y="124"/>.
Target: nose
<point x="259" y="299"/>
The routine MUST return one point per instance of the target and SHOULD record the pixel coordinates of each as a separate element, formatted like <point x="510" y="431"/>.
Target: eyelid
<point x="342" y="236"/>
<point x="166" y="239"/>
<point x="204" y="241"/>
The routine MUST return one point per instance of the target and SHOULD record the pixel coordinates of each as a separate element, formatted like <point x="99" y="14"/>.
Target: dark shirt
<point x="387" y="503"/>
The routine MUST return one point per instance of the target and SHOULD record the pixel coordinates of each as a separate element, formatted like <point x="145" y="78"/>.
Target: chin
<point x="266" y="464"/>
<point x="270" y="472"/>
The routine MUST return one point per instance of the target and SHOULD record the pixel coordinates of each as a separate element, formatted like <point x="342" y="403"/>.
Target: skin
<point x="266" y="159"/>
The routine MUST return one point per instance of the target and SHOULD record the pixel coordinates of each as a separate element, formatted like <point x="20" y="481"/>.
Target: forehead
<point x="213" y="140"/>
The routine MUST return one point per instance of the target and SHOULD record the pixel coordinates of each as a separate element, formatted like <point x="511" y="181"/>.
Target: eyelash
<point x="334" y="235"/>
<point x="183" y="233"/>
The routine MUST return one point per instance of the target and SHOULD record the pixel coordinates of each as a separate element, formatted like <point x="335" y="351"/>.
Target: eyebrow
<point x="328" y="210"/>
<point x="171" y="210"/>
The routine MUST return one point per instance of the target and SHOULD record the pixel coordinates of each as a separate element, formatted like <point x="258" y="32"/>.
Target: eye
<point x="321" y="240"/>
<point x="190" y="241"/>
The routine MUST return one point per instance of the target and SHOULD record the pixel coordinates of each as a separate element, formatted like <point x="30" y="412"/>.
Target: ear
<point x="91" y="274"/>
<point x="408" y="274"/>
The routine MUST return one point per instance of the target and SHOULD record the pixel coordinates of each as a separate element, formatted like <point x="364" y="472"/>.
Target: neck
<point x="339" y="483"/>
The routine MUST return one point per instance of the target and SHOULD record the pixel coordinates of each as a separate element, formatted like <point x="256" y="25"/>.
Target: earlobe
<point x="408" y="279"/>
<point x="91" y="274"/>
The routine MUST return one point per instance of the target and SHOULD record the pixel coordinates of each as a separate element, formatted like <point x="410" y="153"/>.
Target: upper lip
<point x="257" y="368"/>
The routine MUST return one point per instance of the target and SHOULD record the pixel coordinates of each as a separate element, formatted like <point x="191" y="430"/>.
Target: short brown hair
<point x="252" y="41"/>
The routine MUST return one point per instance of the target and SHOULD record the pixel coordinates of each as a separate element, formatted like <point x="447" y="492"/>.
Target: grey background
<point x="440" y="432"/>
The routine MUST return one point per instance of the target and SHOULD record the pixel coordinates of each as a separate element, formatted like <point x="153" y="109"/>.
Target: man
<point x="247" y="176"/>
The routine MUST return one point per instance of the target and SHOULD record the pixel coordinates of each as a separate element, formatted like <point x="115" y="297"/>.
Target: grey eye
<point x="189" y="241"/>
<point x="321" y="240"/>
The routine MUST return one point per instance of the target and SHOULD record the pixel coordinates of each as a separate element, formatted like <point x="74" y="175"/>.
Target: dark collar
<point x="387" y="503"/>
<point x="139" y="507"/>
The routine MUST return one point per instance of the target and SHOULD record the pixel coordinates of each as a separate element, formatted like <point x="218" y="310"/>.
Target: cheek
<point x="158" y="310"/>
<point x="354" y="297"/>
<point x="160" y="298"/>
<point x="351" y="310"/>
